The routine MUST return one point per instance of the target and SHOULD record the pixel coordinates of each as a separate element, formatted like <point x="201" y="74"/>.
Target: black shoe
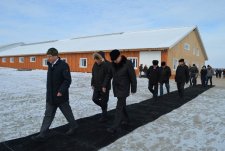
<point x="71" y="131"/>
<point x="111" y="130"/>
<point x="39" y="138"/>
<point x="103" y="120"/>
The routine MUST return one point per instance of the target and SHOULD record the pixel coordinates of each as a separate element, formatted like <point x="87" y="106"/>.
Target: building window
<point x="64" y="59"/>
<point x="83" y="62"/>
<point x="11" y="60"/>
<point x="187" y="46"/>
<point x="21" y="59"/>
<point x="175" y="63"/>
<point x="3" y="59"/>
<point x="187" y="62"/>
<point x="45" y="62"/>
<point x="197" y="52"/>
<point x="194" y="51"/>
<point x="134" y="61"/>
<point x="32" y="59"/>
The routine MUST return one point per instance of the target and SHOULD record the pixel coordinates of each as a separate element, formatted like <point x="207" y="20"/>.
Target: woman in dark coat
<point x="124" y="82"/>
<point x="203" y="73"/>
<point x="99" y="72"/>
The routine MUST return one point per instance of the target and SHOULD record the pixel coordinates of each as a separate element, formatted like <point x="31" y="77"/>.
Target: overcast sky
<point x="40" y="20"/>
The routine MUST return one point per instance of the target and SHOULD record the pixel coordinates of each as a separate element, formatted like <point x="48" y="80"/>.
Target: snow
<point x="158" y="38"/>
<point x="197" y="125"/>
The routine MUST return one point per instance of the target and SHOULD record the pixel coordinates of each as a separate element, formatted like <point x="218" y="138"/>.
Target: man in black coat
<point x="57" y="96"/>
<point x="193" y="75"/>
<point x="124" y="82"/>
<point x="182" y="76"/>
<point x="165" y="73"/>
<point x="99" y="71"/>
<point x="153" y="74"/>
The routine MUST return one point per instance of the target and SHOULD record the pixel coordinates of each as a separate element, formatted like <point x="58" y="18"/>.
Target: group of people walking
<point x="121" y="72"/>
<point x="59" y="79"/>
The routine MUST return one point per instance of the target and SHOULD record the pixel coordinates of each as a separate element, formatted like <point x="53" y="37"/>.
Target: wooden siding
<point x="73" y="59"/>
<point x="178" y="52"/>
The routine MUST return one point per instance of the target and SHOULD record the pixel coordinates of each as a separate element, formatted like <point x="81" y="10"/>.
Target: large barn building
<point x="140" y="47"/>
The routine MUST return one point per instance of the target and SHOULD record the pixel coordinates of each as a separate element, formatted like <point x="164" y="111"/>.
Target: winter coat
<point x="153" y="75"/>
<point x="182" y="74"/>
<point x="193" y="71"/>
<point x="124" y="78"/>
<point x="99" y="73"/>
<point x="210" y="72"/>
<point x="165" y="74"/>
<point x="203" y="72"/>
<point x="58" y="80"/>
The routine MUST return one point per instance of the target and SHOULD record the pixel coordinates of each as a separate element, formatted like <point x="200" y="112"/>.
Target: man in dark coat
<point x="99" y="71"/>
<point x="140" y="70"/>
<point x="124" y="82"/>
<point x="165" y="73"/>
<point x="203" y="73"/>
<point x="193" y="75"/>
<point x="57" y="96"/>
<point x="153" y="74"/>
<point x="182" y="76"/>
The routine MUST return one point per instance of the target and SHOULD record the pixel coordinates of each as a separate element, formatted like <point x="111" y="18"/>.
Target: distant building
<point x="140" y="47"/>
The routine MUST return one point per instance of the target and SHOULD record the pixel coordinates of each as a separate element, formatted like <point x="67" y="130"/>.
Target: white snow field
<point x="197" y="125"/>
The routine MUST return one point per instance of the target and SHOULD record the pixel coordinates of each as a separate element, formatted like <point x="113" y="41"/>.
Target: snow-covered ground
<point x="197" y="125"/>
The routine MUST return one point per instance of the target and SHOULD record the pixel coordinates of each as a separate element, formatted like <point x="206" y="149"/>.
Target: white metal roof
<point x="159" y="38"/>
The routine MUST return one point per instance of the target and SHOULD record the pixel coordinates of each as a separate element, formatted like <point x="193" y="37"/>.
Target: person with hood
<point x="203" y="73"/>
<point x="99" y="71"/>
<point x="209" y="75"/>
<point x="165" y="73"/>
<point x="58" y="83"/>
<point x="193" y="75"/>
<point x="124" y="81"/>
<point x="182" y="76"/>
<point x="153" y="75"/>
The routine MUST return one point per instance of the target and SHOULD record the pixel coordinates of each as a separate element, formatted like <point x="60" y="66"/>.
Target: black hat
<point x="163" y="63"/>
<point x="114" y="54"/>
<point x="155" y="62"/>
<point x="181" y="60"/>
<point x="52" y="51"/>
<point x="102" y="54"/>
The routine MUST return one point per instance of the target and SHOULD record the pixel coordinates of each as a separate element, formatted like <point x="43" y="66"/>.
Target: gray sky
<point x="40" y="20"/>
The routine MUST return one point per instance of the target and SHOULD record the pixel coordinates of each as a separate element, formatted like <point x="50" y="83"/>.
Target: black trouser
<point x="153" y="88"/>
<point x="101" y="99"/>
<point x="50" y="114"/>
<point x="203" y="79"/>
<point x="180" y="88"/>
<point x="193" y="80"/>
<point x="207" y="80"/>
<point x="121" y="113"/>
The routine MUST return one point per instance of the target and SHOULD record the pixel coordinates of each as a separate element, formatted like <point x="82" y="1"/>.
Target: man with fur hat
<point x="124" y="82"/>
<point x="153" y="74"/>
<point x="165" y="73"/>
<point x="182" y="76"/>
<point x="99" y="71"/>
<point x="58" y="83"/>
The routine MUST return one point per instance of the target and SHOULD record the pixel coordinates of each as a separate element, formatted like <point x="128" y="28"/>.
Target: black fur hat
<point x="155" y="62"/>
<point x="114" y="54"/>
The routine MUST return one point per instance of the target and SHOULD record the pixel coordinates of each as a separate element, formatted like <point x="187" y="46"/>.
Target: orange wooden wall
<point x="73" y="59"/>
